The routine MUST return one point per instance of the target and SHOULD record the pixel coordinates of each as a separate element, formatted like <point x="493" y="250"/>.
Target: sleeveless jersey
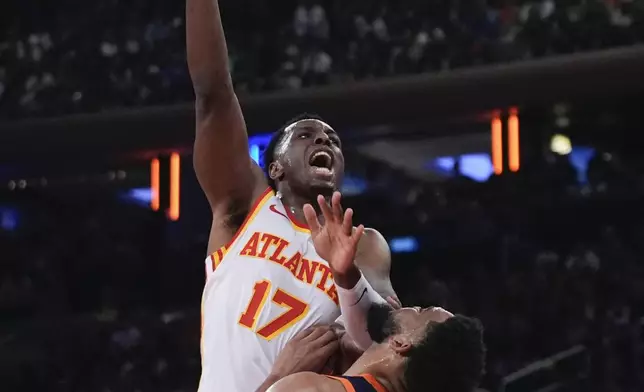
<point x="266" y="285"/>
<point x="361" y="383"/>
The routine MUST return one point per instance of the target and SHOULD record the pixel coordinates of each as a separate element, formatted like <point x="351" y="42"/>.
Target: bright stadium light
<point x="560" y="144"/>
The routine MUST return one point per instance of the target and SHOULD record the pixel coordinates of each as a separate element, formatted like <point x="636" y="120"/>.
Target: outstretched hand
<point x="307" y="351"/>
<point x="335" y="241"/>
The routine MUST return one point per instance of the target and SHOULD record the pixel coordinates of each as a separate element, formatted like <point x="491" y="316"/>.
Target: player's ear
<point x="275" y="170"/>
<point x="400" y="344"/>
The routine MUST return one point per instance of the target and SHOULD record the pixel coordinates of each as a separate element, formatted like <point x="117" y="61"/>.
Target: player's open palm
<point x="308" y="351"/>
<point x="335" y="240"/>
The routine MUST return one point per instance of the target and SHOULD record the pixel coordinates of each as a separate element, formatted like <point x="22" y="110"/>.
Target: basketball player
<point x="266" y="279"/>
<point x="418" y="350"/>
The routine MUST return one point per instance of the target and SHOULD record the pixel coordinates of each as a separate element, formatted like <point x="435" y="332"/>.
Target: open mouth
<point x="321" y="160"/>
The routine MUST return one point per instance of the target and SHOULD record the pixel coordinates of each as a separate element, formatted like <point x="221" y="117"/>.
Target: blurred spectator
<point x="75" y="58"/>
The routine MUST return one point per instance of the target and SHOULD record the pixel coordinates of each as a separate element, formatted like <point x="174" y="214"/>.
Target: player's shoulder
<point x="373" y="250"/>
<point x="372" y="237"/>
<point x="307" y="382"/>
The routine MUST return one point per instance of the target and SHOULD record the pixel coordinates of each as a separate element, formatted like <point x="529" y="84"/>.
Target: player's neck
<point x="294" y="203"/>
<point x="385" y="366"/>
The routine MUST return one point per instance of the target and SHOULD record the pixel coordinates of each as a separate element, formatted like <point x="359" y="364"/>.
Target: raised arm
<point x="337" y="241"/>
<point x="221" y="159"/>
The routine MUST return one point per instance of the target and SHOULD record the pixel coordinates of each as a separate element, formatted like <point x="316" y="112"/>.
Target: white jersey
<point x="261" y="289"/>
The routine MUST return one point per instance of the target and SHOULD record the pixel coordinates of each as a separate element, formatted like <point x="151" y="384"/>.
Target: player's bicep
<point x="221" y="159"/>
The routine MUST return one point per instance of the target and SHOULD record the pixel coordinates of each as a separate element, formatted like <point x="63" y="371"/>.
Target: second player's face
<point x="414" y="321"/>
<point x="383" y="322"/>
<point x="312" y="156"/>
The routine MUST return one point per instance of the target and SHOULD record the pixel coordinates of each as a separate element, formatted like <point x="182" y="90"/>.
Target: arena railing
<point x="415" y="98"/>
<point x="558" y="372"/>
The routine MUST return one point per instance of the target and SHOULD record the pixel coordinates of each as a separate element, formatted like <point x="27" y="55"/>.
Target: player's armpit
<point x="373" y="258"/>
<point x="307" y="382"/>
<point x="221" y="159"/>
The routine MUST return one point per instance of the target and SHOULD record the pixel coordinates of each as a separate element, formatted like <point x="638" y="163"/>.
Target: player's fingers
<point x="316" y="333"/>
<point x="303" y="334"/>
<point x="357" y="234"/>
<point x="394" y="302"/>
<point x="312" y="219"/>
<point x="326" y="210"/>
<point x="329" y="349"/>
<point x="347" y="222"/>
<point x="336" y="206"/>
<point x="326" y="338"/>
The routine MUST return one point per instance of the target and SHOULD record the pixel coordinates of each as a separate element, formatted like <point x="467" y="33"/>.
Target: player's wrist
<point x="347" y="279"/>
<point x="353" y="292"/>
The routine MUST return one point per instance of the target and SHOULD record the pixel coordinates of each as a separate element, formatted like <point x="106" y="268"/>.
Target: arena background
<point x="495" y="144"/>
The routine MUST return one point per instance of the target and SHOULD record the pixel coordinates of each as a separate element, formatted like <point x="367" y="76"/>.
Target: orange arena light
<point x="175" y="166"/>
<point x="497" y="143"/>
<point x="154" y="184"/>
<point x="513" y="140"/>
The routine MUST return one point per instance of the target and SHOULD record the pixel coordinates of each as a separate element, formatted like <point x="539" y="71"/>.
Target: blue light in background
<point x="353" y="185"/>
<point x="403" y="244"/>
<point x="9" y="218"/>
<point x="254" y="153"/>
<point x="445" y="164"/>
<point x="138" y="196"/>
<point x="257" y="145"/>
<point x="478" y="167"/>
<point x="579" y="158"/>
<point x="261" y="139"/>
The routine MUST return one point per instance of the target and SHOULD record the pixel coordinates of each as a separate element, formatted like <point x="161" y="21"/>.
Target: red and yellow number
<point x="295" y="310"/>
<point x="260" y="293"/>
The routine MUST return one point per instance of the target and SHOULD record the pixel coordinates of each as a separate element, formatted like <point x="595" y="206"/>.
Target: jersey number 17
<point x="296" y="309"/>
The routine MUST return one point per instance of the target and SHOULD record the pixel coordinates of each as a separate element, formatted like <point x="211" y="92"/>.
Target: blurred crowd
<point x="94" y="298"/>
<point x="69" y="56"/>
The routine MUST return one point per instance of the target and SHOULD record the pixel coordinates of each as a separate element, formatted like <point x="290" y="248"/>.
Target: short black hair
<point x="380" y="322"/>
<point x="450" y="358"/>
<point x="269" y="153"/>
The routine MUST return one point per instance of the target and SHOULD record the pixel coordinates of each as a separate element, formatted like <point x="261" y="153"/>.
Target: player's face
<point x="414" y="321"/>
<point x="312" y="156"/>
<point x="384" y="322"/>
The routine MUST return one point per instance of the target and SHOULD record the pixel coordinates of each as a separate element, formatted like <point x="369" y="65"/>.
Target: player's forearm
<point x="206" y="50"/>
<point x="354" y="305"/>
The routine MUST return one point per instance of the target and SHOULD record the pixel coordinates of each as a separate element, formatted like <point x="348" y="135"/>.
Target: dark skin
<point x="228" y="176"/>
<point x="296" y="178"/>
